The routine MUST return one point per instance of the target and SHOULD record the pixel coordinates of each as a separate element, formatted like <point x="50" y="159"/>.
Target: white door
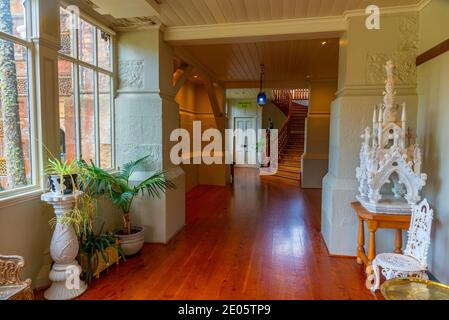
<point x="245" y="142"/>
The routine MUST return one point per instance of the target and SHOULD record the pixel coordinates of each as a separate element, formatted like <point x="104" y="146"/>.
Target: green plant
<point x="118" y="188"/>
<point x="58" y="168"/>
<point x="94" y="246"/>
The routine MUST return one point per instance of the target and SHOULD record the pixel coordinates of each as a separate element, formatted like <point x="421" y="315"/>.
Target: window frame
<point x="35" y="187"/>
<point x="77" y="64"/>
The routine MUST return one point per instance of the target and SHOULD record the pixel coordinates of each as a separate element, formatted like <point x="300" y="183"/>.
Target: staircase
<point x="290" y="156"/>
<point x="292" y="139"/>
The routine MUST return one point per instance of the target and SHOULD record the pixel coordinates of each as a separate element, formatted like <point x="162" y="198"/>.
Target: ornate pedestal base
<point x="65" y="273"/>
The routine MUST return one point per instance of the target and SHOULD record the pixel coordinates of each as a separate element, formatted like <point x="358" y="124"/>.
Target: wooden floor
<point x="259" y="239"/>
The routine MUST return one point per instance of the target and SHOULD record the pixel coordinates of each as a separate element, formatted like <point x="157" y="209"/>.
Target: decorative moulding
<point x="131" y="74"/>
<point x="388" y="158"/>
<point x="404" y="58"/>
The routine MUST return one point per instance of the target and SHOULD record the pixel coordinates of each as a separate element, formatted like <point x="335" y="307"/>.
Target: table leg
<point x="398" y="242"/>
<point x="372" y="227"/>
<point x="361" y="241"/>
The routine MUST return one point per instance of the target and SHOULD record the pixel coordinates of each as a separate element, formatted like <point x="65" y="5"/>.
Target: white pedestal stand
<point x="65" y="273"/>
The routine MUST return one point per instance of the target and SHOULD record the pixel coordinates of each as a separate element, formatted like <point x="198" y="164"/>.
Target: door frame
<point x="254" y="120"/>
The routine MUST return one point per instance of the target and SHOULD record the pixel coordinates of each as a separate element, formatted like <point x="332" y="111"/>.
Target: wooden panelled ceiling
<point x="202" y="12"/>
<point x="299" y="60"/>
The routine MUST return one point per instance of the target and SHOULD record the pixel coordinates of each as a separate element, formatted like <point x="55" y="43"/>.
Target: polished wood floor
<point x="259" y="239"/>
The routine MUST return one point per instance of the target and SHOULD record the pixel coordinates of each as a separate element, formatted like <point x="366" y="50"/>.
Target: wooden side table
<point x="377" y="221"/>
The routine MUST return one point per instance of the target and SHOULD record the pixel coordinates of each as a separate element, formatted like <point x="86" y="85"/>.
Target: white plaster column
<point x="363" y="53"/>
<point x="65" y="273"/>
<point x="146" y="114"/>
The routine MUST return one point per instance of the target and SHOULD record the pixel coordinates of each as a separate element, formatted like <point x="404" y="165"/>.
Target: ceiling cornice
<point x="287" y="29"/>
<point x="389" y="10"/>
<point x="199" y="34"/>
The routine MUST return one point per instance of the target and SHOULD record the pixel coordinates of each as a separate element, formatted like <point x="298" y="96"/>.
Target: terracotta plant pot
<point x="132" y="243"/>
<point x="64" y="188"/>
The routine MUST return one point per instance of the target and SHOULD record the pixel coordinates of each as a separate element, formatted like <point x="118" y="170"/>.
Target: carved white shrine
<point x="387" y="159"/>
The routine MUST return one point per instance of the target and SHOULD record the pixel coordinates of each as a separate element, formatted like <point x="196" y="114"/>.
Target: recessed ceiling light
<point x="195" y="76"/>
<point x="323" y="43"/>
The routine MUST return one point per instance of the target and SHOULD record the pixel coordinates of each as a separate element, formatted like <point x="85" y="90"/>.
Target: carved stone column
<point x="64" y="250"/>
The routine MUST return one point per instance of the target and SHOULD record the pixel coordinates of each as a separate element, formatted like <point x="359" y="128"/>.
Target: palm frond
<point x="155" y="185"/>
<point x="129" y="168"/>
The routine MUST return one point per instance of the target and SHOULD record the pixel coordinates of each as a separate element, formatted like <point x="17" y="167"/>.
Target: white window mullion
<point x="97" y="101"/>
<point x="112" y="120"/>
<point x="113" y="84"/>
<point x="97" y="116"/>
<point x="35" y="146"/>
<point x="77" y="105"/>
<point x="77" y="88"/>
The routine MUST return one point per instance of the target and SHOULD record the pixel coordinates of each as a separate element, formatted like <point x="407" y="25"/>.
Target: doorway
<point x="245" y="146"/>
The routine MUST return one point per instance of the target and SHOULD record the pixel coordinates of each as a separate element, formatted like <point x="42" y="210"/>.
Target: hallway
<point x="258" y="239"/>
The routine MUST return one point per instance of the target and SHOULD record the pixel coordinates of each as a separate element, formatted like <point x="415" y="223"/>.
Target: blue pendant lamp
<point x="262" y="97"/>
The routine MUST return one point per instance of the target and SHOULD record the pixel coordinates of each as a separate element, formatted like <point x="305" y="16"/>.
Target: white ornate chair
<point x="11" y="287"/>
<point x="413" y="263"/>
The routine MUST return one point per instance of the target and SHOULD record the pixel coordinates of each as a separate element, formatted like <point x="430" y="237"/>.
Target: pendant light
<point x="262" y="97"/>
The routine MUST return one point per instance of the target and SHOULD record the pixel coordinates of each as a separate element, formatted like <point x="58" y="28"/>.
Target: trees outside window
<point x="15" y="123"/>
<point x="85" y="91"/>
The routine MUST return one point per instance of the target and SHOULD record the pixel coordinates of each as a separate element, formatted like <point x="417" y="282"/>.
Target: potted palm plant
<point x="122" y="192"/>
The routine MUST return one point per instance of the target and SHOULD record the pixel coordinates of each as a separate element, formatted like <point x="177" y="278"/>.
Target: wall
<point x="186" y="100"/>
<point x="433" y="132"/>
<point x="315" y="161"/>
<point x="194" y="105"/>
<point x="363" y="54"/>
<point x="277" y="116"/>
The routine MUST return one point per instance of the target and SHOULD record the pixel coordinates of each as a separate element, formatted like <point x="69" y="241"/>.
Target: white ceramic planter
<point x="65" y="187"/>
<point x="133" y="243"/>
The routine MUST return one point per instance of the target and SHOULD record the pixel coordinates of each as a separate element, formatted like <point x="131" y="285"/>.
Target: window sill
<point x="12" y="199"/>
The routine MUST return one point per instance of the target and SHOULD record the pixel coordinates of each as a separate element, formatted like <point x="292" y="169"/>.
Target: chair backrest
<point x="419" y="233"/>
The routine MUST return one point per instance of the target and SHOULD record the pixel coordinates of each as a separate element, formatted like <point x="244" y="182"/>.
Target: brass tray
<point x="414" y="289"/>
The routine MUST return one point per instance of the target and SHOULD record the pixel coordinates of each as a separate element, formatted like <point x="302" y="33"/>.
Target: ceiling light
<point x="323" y="43"/>
<point x="196" y="77"/>
<point x="262" y="97"/>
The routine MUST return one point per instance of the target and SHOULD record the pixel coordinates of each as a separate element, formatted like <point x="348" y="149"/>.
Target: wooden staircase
<point x="291" y="137"/>
<point x="290" y="165"/>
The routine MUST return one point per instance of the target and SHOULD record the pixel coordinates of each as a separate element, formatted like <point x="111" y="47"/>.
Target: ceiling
<point x="200" y="12"/>
<point x="298" y="60"/>
<point x="248" y="93"/>
<point x="285" y="60"/>
<point x="179" y="13"/>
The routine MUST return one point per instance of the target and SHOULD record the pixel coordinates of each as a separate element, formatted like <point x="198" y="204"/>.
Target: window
<point x="17" y="168"/>
<point x="85" y="91"/>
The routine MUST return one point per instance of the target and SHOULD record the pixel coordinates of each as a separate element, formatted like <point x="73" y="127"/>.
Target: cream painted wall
<point x="276" y="115"/>
<point x="433" y="130"/>
<point x="186" y="100"/>
<point x="194" y="102"/>
<point x="433" y="22"/>
<point x="315" y="161"/>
